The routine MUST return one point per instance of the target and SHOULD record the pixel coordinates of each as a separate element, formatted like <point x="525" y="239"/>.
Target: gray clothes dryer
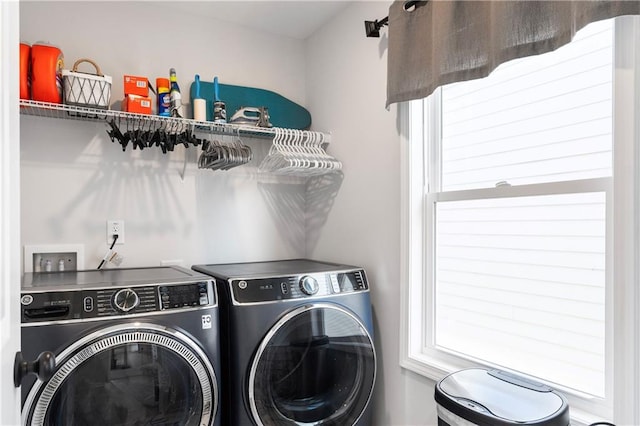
<point x="297" y="338"/>
<point x="135" y="346"/>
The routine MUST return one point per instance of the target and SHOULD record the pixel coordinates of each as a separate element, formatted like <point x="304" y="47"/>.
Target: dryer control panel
<point x="114" y="301"/>
<point x="255" y="290"/>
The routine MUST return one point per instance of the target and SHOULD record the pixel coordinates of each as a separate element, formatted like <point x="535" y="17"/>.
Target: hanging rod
<point x="372" y="28"/>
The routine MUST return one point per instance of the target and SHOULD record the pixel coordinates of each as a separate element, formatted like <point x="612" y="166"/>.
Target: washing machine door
<point x="129" y="374"/>
<point x="315" y="366"/>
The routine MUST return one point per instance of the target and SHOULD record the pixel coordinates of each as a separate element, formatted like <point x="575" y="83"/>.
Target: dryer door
<point x="316" y="365"/>
<point x="127" y="374"/>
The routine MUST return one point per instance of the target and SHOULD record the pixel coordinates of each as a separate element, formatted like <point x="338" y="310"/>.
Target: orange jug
<point x="25" y="59"/>
<point x="47" y="62"/>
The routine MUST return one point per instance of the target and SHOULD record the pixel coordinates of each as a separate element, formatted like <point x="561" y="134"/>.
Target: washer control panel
<point x="298" y="286"/>
<point x="116" y="301"/>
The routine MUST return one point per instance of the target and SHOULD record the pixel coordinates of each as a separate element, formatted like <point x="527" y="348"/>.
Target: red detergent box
<point x="137" y="104"/>
<point x="134" y="85"/>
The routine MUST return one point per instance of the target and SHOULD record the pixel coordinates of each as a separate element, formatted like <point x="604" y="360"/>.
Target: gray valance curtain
<point x="446" y="41"/>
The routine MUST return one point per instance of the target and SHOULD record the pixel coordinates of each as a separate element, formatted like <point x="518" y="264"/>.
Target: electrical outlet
<point x="115" y="227"/>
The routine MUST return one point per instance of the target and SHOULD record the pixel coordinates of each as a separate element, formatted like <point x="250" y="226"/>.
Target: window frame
<point x="419" y="120"/>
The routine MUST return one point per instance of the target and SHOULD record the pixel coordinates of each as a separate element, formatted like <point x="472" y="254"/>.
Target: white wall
<point x="346" y="88"/>
<point x="74" y="178"/>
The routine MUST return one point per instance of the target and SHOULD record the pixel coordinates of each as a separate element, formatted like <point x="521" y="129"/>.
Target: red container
<point x="47" y="62"/>
<point x="25" y="75"/>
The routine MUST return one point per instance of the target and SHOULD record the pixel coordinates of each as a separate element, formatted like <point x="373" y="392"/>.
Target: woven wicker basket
<point x="84" y="89"/>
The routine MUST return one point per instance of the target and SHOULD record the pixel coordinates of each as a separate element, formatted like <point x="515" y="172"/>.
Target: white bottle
<point x="47" y="266"/>
<point x="61" y="265"/>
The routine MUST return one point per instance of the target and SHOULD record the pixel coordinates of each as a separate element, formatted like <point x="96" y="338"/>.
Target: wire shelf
<point x="149" y="122"/>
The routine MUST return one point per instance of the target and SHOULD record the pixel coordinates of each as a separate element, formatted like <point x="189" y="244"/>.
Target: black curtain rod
<point x="372" y="28"/>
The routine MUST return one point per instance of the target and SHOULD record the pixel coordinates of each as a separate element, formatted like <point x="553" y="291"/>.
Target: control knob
<point x="125" y="300"/>
<point x="309" y="285"/>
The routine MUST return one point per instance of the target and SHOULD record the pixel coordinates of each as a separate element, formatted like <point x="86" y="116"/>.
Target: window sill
<point x="427" y="367"/>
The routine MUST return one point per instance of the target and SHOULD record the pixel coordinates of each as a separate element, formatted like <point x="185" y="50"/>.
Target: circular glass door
<point x="127" y="375"/>
<point x="316" y="365"/>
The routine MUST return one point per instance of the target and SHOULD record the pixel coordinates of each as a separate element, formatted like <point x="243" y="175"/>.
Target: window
<point x="511" y="244"/>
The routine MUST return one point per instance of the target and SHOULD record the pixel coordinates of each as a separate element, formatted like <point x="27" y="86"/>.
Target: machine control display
<point x="348" y="282"/>
<point x="116" y="301"/>
<point x="125" y="300"/>
<point x="178" y="296"/>
<point x="297" y="286"/>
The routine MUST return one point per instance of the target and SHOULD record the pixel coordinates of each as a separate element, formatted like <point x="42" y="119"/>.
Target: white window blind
<point x="537" y="119"/>
<point x="519" y="281"/>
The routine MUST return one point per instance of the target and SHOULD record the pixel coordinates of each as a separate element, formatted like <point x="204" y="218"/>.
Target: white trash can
<point x="483" y="397"/>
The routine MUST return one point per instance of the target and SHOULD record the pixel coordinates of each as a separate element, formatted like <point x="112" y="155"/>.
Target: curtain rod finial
<point x="372" y="28"/>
